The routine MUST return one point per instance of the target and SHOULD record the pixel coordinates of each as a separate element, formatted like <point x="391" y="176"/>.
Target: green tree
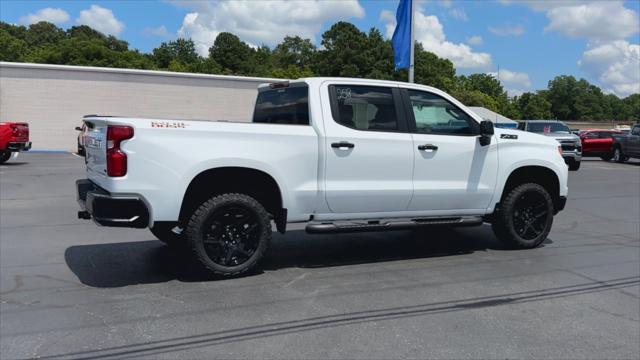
<point x="475" y="98"/>
<point x="434" y="71"/>
<point x="291" y="72"/>
<point x="205" y="66"/>
<point x="344" y="52"/>
<point x="379" y="57"/>
<point x="231" y="53"/>
<point x="261" y="62"/>
<point x="295" y="51"/>
<point x="84" y="32"/>
<point x="11" y="48"/>
<point x="562" y="92"/>
<point x="485" y="83"/>
<point x="179" y="51"/>
<point x="632" y="106"/>
<point x="43" y="33"/>
<point x="532" y="106"/>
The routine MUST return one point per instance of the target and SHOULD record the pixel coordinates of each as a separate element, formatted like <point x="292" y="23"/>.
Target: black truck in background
<point x="627" y="146"/>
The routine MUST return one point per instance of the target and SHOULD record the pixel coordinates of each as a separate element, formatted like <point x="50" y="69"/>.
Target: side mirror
<point x="78" y="128"/>
<point x="486" y="132"/>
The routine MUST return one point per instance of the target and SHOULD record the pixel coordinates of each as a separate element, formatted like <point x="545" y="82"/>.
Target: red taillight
<point x="116" y="158"/>
<point x="19" y="131"/>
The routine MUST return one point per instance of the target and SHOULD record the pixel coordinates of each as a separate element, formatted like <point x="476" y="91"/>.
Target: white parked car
<point x="340" y="155"/>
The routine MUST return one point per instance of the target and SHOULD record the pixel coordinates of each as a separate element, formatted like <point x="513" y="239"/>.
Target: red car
<point x="598" y="142"/>
<point x="14" y="137"/>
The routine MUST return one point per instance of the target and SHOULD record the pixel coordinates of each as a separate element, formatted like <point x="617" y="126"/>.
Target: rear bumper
<point x="108" y="210"/>
<point x="19" y="146"/>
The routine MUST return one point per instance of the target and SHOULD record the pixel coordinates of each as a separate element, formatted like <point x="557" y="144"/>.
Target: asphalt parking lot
<point x="70" y="289"/>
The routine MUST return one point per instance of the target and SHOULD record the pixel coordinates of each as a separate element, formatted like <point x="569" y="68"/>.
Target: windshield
<point x="548" y="127"/>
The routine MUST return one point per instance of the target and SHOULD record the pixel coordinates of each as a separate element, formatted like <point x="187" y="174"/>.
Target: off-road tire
<point x="198" y="226"/>
<point x="503" y="224"/>
<point x="164" y="232"/>
<point x="574" y="165"/>
<point x="4" y="156"/>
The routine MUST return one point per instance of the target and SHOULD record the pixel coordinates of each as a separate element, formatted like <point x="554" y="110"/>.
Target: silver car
<point x="571" y="144"/>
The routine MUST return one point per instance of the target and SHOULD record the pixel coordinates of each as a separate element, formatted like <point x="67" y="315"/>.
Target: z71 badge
<point x="509" y="137"/>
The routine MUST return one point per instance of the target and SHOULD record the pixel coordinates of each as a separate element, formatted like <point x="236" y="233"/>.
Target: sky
<point x="524" y="42"/>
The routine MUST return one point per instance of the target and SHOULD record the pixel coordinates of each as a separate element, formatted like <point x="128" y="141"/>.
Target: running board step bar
<point x="388" y="225"/>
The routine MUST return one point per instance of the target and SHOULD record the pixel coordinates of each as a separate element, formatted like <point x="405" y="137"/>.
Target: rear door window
<point x="286" y="105"/>
<point x="368" y="108"/>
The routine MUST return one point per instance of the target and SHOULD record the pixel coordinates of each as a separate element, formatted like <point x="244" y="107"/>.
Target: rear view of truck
<point x="14" y="137"/>
<point x="105" y="159"/>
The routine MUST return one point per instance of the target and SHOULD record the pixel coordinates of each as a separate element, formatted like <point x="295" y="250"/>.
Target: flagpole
<point x="411" y="64"/>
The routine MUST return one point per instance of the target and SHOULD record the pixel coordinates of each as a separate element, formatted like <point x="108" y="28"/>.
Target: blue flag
<point x="401" y="40"/>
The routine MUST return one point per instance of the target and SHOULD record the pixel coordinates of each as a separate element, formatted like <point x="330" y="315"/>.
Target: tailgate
<point x="95" y="143"/>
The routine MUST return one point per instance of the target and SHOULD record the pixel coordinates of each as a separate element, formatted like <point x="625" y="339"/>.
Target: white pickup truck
<point x="341" y="155"/>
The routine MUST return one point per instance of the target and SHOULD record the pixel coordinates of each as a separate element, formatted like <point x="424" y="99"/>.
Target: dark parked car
<point x="627" y="146"/>
<point x="598" y="143"/>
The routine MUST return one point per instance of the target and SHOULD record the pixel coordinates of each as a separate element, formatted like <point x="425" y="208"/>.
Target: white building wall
<point x="53" y="98"/>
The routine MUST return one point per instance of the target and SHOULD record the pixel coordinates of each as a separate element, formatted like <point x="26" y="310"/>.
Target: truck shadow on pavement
<point x="148" y="262"/>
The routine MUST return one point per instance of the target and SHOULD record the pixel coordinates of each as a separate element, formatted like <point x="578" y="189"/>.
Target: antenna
<point x="496" y="122"/>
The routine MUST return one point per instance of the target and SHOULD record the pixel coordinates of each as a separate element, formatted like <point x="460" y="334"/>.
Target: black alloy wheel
<point x="232" y="235"/>
<point x="530" y="215"/>
<point x="229" y="233"/>
<point x="524" y="217"/>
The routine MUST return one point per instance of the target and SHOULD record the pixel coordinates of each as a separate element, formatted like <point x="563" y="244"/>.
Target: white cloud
<point x="507" y="30"/>
<point x="608" y="20"/>
<point x="593" y="20"/>
<point x="542" y="5"/>
<point x="458" y="13"/>
<point x="446" y="3"/>
<point x="160" y="31"/>
<point x="475" y="40"/>
<point x="100" y="19"/>
<point x="516" y="83"/>
<point x="258" y="22"/>
<point x="53" y="15"/>
<point x="615" y="64"/>
<point x="429" y="32"/>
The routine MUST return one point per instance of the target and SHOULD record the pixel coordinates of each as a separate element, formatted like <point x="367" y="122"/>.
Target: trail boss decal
<point x="168" y="124"/>
<point x="509" y="137"/>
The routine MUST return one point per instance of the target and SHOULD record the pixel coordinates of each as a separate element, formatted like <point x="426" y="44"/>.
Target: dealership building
<point x="53" y="98"/>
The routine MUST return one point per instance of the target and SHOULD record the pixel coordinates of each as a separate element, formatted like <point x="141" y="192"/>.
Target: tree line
<point x="346" y="51"/>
